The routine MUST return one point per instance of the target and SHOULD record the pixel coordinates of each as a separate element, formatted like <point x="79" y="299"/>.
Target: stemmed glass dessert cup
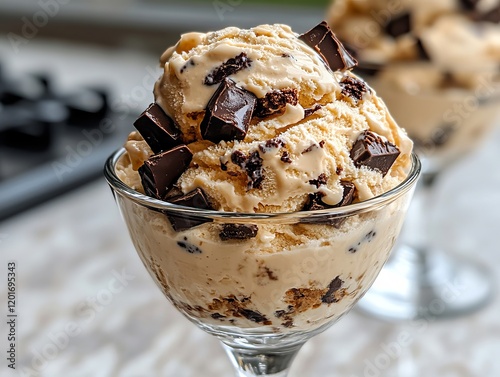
<point x="420" y="279"/>
<point x="289" y="277"/>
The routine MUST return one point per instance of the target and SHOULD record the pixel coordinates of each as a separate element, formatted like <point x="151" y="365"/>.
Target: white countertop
<point x="75" y="318"/>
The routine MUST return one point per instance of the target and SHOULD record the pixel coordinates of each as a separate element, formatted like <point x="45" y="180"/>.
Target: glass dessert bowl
<point x="263" y="283"/>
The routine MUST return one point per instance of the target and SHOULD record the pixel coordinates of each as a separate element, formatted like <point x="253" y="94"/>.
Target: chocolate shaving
<point x="195" y="199"/>
<point x="353" y="88"/>
<point x="158" y="129"/>
<point x="333" y="287"/>
<point x="228" y="113"/>
<point x="161" y="171"/>
<point x="328" y="46"/>
<point x="399" y="25"/>
<point x="285" y="157"/>
<point x="254" y="316"/>
<point x="229" y="67"/>
<point x="238" y="232"/>
<point x="275" y="101"/>
<point x="372" y="151"/>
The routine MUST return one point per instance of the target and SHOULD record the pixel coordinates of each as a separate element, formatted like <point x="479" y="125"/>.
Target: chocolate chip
<point x="314" y="146"/>
<point x="326" y="44"/>
<point x="285" y="157"/>
<point x="333" y="287"/>
<point x="321" y="180"/>
<point x="312" y="110"/>
<point x="271" y="144"/>
<point x="158" y="129"/>
<point x="372" y="151"/>
<point x="229" y="67"/>
<point x="275" y="102"/>
<point x="190" y="248"/>
<point x="217" y="316"/>
<point x="195" y="199"/>
<point x="252" y="165"/>
<point x="228" y="113"/>
<point x="253" y="316"/>
<point x="354" y="88"/>
<point x="161" y="171"/>
<point x="399" y="25"/>
<point x="238" y="232"/>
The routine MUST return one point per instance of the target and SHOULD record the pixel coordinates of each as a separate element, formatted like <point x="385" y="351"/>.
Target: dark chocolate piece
<point x="275" y="102"/>
<point x="190" y="248"/>
<point x="333" y="287"/>
<point x="228" y="68"/>
<point x="161" y="171"/>
<point x="228" y="113"/>
<point x="252" y="165"/>
<point x="372" y="151"/>
<point x="195" y="199"/>
<point x="328" y="46"/>
<point x="354" y="88"/>
<point x="315" y="202"/>
<point x="158" y="129"/>
<point x="238" y="232"/>
<point x="253" y="316"/>
<point x="321" y="180"/>
<point x="399" y="25"/>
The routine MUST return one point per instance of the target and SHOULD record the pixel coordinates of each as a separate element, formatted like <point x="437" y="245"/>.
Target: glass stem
<point x="262" y="362"/>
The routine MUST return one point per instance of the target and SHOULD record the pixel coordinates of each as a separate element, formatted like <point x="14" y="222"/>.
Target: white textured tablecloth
<point x="86" y="306"/>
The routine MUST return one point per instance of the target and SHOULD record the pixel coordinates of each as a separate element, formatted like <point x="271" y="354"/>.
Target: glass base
<point x="418" y="284"/>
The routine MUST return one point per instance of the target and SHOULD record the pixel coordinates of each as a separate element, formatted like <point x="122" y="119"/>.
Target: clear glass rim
<point x="368" y="205"/>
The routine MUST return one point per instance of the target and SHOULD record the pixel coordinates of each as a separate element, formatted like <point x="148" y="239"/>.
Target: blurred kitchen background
<point x="74" y="74"/>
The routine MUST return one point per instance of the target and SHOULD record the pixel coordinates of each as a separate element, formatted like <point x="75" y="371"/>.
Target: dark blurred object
<point x="51" y="142"/>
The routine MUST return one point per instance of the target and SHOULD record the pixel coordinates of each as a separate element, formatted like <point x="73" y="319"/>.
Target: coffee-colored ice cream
<point x="264" y="121"/>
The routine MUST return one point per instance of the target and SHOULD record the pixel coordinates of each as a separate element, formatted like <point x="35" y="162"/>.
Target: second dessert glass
<point x="421" y="280"/>
<point x="266" y="294"/>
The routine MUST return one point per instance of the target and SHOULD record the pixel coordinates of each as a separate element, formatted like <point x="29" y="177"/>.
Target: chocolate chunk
<point x="333" y="287"/>
<point x="254" y="316"/>
<point x="372" y="151"/>
<point x="315" y="202"/>
<point x="312" y="110"/>
<point x="190" y="248"/>
<point x="275" y="102"/>
<point x="195" y="199"/>
<point x="323" y="40"/>
<point x="354" y="88"/>
<point x="491" y="16"/>
<point x="252" y="165"/>
<point x="238" y="232"/>
<point x="158" y="129"/>
<point x="399" y="25"/>
<point x="271" y="144"/>
<point x="348" y="193"/>
<point x="285" y="157"/>
<point x="161" y="171"/>
<point x="228" y="68"/>
<point x="321" y="180"/>
<point x="228" y="113"/>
